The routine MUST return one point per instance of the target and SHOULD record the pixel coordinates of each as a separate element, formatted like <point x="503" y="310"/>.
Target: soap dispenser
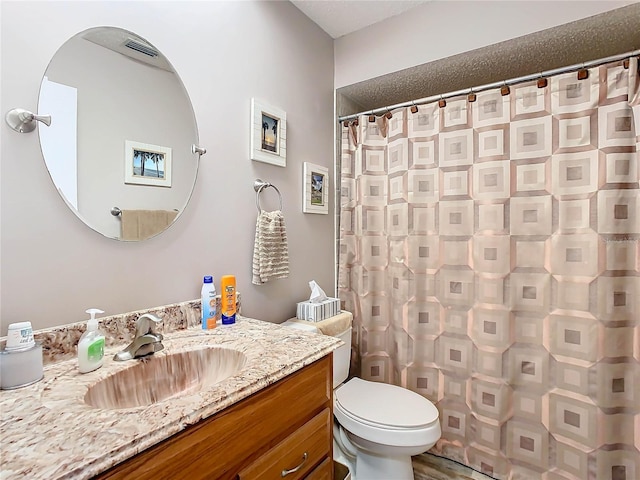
<point x="91" y="345"/>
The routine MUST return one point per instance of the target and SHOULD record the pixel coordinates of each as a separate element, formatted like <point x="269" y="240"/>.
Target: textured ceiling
<point x="340" y="17"/>
<point x="610" y="33"/>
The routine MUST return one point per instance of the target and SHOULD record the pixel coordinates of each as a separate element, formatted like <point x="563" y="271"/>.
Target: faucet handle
<point x="147" y="323"/>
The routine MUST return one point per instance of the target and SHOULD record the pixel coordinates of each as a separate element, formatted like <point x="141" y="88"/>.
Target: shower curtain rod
<point x="489" y="86"/>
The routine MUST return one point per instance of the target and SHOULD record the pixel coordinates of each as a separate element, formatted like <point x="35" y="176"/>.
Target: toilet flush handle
<point x="294" y="470"/>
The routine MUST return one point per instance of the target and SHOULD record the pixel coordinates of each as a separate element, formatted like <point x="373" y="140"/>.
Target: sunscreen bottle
<point x="208" y="299"/>
<point x="228" y="294"/>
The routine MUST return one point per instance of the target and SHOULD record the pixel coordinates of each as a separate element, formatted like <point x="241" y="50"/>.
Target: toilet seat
<point x="385" y="406"/>
<point x="386" y="414"/>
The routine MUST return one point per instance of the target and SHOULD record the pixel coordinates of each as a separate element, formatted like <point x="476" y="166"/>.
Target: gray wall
<point x="54" y="267"/>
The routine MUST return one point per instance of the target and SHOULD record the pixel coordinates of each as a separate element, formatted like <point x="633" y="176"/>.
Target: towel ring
<point x="259" y="186"/>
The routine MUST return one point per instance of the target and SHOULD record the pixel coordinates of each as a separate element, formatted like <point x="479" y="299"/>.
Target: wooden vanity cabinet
<point x="324" y="471"/>
<point x="286" y="427"/>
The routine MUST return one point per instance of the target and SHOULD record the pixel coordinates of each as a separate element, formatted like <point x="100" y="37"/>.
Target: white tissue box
<point x="316" y="312"/>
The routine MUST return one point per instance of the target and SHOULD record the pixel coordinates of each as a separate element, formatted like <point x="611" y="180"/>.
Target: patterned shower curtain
<point x="490" y="253"/>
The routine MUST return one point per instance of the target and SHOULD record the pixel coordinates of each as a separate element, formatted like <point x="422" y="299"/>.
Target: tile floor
<point x="431" y="467"/>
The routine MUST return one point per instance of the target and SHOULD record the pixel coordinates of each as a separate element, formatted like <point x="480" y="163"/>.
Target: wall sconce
<point x="23" y="121"/>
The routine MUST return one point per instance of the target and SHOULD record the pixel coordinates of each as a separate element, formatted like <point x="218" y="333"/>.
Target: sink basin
<point x="160" y="377"/>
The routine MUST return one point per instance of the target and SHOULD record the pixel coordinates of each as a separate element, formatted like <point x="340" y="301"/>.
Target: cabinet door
<point x="324" y="471"/>
<point x="295" y="456"/>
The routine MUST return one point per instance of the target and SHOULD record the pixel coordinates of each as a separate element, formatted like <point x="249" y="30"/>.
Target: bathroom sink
<point x="161" y="377"/>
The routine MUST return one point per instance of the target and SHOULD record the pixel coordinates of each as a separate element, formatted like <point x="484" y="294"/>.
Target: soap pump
<point x="91" y="345"/>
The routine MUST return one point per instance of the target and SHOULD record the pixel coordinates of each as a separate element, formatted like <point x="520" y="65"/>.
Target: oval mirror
<point x="119" y="148"/>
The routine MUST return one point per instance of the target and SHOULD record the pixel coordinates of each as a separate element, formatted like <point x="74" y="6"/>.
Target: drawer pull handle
<point x="294" y="470"/>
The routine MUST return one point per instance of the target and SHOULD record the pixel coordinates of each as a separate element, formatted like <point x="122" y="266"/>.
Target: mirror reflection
<point x="121" y="133"/>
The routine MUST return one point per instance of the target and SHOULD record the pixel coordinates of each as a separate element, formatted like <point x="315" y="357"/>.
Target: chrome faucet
<point x="146" y="342"/>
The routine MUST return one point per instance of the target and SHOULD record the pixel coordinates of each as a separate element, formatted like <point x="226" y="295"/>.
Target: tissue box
<point x="316" y="312"/>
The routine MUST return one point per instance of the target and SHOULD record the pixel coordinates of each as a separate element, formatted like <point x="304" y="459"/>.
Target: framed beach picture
<point x="268" y="134"/>
<point x="316" y="189"/>
<point x="146" y="164"/>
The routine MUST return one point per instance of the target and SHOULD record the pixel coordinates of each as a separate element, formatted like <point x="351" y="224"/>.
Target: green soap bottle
<point x="91" y="345"/>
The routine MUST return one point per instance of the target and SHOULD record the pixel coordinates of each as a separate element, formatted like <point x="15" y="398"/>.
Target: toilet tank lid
<point x="385" y="404"/>
<point x="300" y="325"/>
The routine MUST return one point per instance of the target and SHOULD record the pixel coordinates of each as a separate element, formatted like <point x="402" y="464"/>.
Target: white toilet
<point x="379" y="426"/>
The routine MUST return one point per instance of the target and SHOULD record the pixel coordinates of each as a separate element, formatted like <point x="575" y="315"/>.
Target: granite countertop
<point x="48" y="432"/>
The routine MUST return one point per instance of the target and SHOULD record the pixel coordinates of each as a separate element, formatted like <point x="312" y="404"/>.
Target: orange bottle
<point x="228" y="294"/>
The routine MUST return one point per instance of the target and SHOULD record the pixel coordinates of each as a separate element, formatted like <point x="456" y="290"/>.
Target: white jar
<point x="19" y="336"/>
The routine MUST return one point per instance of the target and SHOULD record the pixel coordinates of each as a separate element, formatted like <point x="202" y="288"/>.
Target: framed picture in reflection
<point x="146" y="164"/>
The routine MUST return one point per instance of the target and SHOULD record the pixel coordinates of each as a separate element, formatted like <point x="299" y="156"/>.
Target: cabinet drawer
<point x="297" y="454"/>
<point x="324" y="471"/>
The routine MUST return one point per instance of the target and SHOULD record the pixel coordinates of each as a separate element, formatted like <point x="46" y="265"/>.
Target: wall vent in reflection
<point x="141" y="47"/>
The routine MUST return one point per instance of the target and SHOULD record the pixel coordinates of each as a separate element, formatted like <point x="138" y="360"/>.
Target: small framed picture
<point x="146" y="164"/>
<point x="316" y="189"/>
<point x="268" y="134"/>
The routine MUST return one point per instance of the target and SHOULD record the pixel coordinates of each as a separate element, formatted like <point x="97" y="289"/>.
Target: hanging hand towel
<point x="270" y="251"/>
<point x="142" y="224"/>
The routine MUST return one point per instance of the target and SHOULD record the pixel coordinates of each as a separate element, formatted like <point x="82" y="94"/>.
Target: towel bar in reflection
<point x="116" y="212"/>
<point x="259" y="186"/>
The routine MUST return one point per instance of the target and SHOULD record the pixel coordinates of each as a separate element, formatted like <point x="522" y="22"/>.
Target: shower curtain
<point x="490" y="254"/>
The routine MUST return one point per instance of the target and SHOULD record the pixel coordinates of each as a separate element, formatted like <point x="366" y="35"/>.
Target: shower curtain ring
<point x="505" y="90"/>
<point x="414" y="107"/>
<point x="372" y="117"/>
<point x="442" y="102"/>
<point x="542" y="82"/>
<point x="472" y="96"/>
<point x="583" y="73"/>
<point x="388" y="115"/>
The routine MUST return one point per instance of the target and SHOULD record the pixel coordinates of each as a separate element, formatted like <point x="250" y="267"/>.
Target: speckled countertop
<point x="48" y="432"/>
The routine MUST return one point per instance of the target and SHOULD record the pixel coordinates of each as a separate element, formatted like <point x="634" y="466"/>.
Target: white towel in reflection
<point x="142" y="224"/>
<point x="270" y="251"/>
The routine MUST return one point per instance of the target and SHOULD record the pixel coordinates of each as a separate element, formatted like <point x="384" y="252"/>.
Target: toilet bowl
<point x="378" y="426"/>
<point x="387" y="425"/>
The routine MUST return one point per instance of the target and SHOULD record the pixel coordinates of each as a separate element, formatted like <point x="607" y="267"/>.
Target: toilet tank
<point x="341" y="356"/>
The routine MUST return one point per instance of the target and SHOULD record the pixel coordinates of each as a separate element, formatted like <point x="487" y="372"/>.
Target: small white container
<point x="19" y="368"/>
<point x="19" y="336"/>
